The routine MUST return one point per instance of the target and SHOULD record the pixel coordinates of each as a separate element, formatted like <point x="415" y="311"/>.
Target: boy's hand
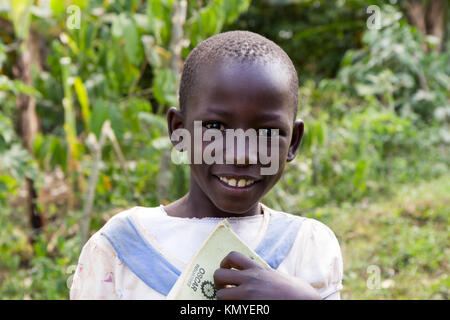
<point x="252" y="281"/>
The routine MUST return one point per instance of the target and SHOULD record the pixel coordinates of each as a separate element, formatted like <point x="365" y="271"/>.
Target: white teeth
<point x="240" y="183"/>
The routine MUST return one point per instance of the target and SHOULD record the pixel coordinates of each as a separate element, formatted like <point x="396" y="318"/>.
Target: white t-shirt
<point x="315" y="256"/>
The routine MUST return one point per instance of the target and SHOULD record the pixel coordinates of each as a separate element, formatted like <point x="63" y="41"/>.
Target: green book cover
<point x="196" y="282"/>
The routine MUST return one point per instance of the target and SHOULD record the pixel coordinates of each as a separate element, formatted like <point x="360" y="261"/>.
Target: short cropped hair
<point x="244" y="46"/>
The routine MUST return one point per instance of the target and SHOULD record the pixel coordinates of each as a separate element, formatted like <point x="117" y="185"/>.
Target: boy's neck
<point x="195" y="204"/>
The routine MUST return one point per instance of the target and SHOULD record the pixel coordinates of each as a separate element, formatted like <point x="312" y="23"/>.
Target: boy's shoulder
<point x="134" y="214"/>
<point x="309" y="227"/>
<point x="122" y="217"/>
<point x="136" y="211"/>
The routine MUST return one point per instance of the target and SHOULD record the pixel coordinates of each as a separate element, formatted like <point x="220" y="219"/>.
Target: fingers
<point x="238" y="261"/>
<point x="225" y="277"/>
<point x="228" y="276"/>
<point x="232" y="293"/>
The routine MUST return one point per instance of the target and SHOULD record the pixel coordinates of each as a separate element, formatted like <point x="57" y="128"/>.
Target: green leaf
<point x="124" y="28"/>
<point x="21" y="16"/>
<point x="234" y="8"/>
<point x="39" y="148"/>
<point x="320" y="133"/>
<point x="83" y="99"/>
<point x="115" y="116"/>
<point x="164" y="89"/>
<point x="58" y="154"/>
<point x="210" y="19"/>
<point x="153" y="120"/>
<point x="131" y="111"/>
<point x="105" y="110"/>
<point x="17" y="161"/>
<point x="17" y="87"/>
<point x="100" y="113"/>
<point x="159" y="19"/>
<point x="133" y="45"/>
<point x="156" y="55"/>
<point x="3" y="56"/>
<point x="6" y="131"/>
<point x="57" y="6"/>
<point x="360" y="170"/>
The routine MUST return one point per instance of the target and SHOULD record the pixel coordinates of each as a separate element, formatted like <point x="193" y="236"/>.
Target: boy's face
<point x="242" y="95"/>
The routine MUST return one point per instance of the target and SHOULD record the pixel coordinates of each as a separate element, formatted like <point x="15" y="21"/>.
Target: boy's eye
<point x="215" y="125"/>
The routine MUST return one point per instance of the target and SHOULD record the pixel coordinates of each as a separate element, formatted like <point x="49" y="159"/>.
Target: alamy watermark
<point x="70" y="270"/>
<point x="263" y="147"/>
<point x="374" y="281"/>
<point x="74" y="17"/>
<point x="374" y="20"/>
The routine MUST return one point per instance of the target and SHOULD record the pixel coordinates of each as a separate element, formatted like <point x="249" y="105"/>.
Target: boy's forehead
<point x="261" y="82"/>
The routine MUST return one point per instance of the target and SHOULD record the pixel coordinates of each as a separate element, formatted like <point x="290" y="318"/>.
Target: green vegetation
<point x="83" y="133"/>
<point x="406" y="236"/>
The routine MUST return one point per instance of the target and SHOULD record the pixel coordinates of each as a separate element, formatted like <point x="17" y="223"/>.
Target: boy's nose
<point x="243" y="154"/>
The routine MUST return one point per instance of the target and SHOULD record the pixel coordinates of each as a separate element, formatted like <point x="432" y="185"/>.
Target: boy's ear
<point x="175" y="120"/>
<point x="297" y="135"/>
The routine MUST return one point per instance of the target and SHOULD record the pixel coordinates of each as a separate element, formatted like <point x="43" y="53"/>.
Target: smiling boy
<point x="232" y="81"/>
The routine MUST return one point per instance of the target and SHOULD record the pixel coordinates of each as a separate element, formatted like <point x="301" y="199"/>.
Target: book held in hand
<point x="196" y="282"/>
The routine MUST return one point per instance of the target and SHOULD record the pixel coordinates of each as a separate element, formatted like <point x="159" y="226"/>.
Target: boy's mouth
<point x="240" y="182"/>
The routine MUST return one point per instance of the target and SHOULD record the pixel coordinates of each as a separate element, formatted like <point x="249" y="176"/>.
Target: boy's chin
<point x="236" y="208"/>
